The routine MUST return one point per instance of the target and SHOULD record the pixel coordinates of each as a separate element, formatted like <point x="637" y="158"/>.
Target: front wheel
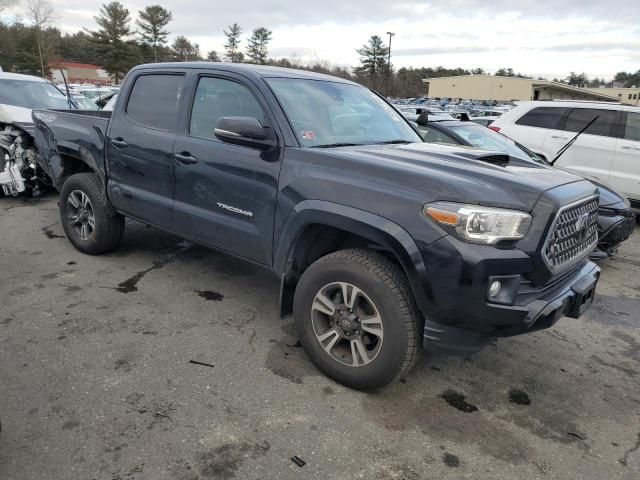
<point x="88" y="222"/>
<point x="356" y="318"/>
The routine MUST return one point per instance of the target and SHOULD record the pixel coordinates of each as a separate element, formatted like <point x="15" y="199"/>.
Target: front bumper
<point x="468" y="321"/>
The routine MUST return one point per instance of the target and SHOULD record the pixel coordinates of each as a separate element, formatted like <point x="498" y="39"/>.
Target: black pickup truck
<point x="383" y="244"/>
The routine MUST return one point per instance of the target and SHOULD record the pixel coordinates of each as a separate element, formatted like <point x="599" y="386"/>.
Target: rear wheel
<point x="90" y="225"/>
<point x="357" y="319"/>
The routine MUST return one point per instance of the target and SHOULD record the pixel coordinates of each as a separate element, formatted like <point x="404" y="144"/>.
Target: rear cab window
<point x="543" y="117"/>
<point x="154" y="100"/>
<point x="433" y="135"/>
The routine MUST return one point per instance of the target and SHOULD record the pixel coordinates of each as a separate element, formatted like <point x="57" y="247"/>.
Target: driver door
<point x="225" y="194"/>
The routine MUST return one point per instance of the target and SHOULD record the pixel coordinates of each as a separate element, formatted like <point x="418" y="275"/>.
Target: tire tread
<point x="390" y="273"/>
<point x="113" y="223"/>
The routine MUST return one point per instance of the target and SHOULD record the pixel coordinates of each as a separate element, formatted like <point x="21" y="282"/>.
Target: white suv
<point x="608" y="151"/>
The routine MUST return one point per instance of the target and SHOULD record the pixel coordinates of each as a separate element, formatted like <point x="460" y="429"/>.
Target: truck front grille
<point x="573" y="234"/>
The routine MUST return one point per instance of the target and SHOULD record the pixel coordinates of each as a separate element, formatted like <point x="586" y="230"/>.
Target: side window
<point x="580" y="117"/>
<point x="432" y="135"/>
<point x="216" y="98"/>
<point x="155" y="99"/>
<point x="545" y="117"/>
<point x="632" y="127"/>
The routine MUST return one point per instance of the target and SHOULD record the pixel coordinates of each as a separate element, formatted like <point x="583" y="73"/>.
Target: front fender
<point x="365" y="224"/>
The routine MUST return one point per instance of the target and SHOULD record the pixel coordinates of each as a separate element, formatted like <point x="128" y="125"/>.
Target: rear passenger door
<point x="535" y="127"/>
<point x="592" y="153"/>
<point x="140" y="146"/>
<point x="625" y="171"/>
<point x="225" y="194"/>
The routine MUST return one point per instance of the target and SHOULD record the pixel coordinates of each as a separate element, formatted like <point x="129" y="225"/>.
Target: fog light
<point x="495" y="289"/>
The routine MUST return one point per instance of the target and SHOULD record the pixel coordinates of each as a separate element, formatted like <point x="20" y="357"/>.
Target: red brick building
<point x="79" y="73"/>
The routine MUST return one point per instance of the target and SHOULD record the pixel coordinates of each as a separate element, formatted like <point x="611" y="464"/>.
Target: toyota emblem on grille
<point x="582" y="227"/>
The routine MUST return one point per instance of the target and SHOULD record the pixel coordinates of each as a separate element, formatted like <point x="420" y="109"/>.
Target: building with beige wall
<point x="492" y="87"/>
<point x="630" y="96"/>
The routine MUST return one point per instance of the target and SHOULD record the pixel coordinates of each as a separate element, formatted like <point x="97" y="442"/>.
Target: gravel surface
<point x="99" y="377"/>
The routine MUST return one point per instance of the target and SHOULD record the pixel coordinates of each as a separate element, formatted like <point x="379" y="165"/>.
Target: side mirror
<point x="423" y="119"/>
<point x="245" y="131"/>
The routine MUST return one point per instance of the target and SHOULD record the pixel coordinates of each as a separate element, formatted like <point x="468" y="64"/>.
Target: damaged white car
<point x="19" y="94"/>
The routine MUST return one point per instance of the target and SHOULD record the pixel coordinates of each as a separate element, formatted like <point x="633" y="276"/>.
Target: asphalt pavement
<point x="99" y="377"/>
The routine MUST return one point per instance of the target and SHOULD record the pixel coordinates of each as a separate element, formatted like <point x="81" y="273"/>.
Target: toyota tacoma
<point x="383" y="244"/>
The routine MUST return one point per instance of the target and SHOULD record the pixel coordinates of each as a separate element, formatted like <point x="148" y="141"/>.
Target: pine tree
<point x="373" y="61"/>
<point x="152" y="22"/>
<point x="184" y="50"/>
<point x="117" y="52"/>
<point x="232" y="46"/>
<point x="257" y="48"/>
<point x="212" y="56"/>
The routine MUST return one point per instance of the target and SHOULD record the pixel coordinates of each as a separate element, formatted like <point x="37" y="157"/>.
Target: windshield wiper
<point x="332" y="145"/>
<point x="394" y="142"/>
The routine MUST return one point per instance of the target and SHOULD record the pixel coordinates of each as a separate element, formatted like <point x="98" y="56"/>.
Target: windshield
<point x="328" y="114"/>
<point x="32" y="95"/>
<point x="83" y="102"/>
<point x="486" y="139"/>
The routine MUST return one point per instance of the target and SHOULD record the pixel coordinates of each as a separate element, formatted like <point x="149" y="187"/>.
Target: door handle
<point x="627" y="147"/>
<point x="119" y="142"/>
<point x="559" y="137"/>
<point x="185" y="158"/>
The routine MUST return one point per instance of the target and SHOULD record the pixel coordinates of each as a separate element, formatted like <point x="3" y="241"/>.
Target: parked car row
<point x="608" y="151"/>
<point x="616" y="219"/>
<point x="19" y="94"/>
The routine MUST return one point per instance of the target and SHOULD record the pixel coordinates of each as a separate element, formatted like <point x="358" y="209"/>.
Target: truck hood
<point x="459" y="174"/>
<point x="608" y="196"/>
<point x="13" y="114"/>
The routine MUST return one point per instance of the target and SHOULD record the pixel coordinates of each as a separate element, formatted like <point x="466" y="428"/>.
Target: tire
<point x="108" y="226"/>
<point x="382" y="294"/>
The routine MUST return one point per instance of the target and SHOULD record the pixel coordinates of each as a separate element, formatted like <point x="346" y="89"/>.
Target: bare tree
<point x="40" y="12"/>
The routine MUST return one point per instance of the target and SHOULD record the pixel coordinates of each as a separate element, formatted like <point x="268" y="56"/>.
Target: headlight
<point x="477" y="224"/>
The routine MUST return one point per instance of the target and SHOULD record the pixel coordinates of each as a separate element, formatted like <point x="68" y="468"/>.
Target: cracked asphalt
<point x="165" y="360"/>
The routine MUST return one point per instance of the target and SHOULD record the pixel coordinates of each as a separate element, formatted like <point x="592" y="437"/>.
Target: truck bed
<point x="78" y="134"/>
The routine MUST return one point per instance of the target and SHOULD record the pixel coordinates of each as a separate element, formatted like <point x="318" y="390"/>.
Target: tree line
<point x="116" y="45"/>
<point x="120" y="42"/>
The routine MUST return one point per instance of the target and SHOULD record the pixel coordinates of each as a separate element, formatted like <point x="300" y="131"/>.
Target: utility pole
<point x="391" y="34"/>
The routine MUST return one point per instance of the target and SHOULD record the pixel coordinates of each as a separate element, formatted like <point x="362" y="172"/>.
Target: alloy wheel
<point x="347" y="324"/>
<point x="80" y="214"/>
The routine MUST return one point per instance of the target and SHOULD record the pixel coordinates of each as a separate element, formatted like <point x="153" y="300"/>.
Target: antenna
<point x="571" y="142"/>
<point x="66" y="86"/>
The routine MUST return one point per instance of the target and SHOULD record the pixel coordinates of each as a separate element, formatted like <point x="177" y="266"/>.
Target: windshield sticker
<point x="386" y="107"/>
<point x="308" y="134"/>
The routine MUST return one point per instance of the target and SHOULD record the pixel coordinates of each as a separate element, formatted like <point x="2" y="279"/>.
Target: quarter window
<point x="216" y="98"/>
<point x="545" y="117"/>
<point x="580" y="117"/>
<point x="632" y="127"/>
<point x="154" y="101"/>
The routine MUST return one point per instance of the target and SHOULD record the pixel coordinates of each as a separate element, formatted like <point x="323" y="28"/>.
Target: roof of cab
<point x="249" y="70"/>
<point x="19" y="76"/>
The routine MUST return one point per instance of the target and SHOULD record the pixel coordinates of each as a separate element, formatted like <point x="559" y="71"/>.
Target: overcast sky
<point x="549" y="38"/>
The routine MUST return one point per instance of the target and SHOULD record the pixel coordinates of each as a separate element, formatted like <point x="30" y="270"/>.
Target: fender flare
<point x="365" y="224"/>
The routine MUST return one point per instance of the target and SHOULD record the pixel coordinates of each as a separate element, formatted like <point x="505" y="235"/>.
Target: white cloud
<point x="538" y="37"/>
